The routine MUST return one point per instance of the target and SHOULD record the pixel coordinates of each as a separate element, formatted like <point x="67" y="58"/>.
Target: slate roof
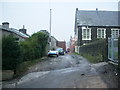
<point x="45" y="31"/>
<point x="97" y="18"/>
<point x="14" y="31"/>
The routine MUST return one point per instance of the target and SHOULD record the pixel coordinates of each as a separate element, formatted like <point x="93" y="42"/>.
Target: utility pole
<point x="50" y="30"/>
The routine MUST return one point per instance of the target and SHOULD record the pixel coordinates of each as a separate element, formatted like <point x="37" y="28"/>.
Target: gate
<point x="113" y="49"/>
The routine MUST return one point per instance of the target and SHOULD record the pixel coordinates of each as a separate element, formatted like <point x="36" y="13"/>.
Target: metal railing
<point x="113" y="49"/>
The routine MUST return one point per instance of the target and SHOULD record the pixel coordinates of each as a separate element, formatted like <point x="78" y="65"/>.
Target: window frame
<point x="85" y="34"/>
<point x="115" y="29"/>
<point x="101" y="33"/>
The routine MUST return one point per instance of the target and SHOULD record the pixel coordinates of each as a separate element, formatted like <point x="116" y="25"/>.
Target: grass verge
<point x="91" y="58"/>
<point x="23" y="67"/>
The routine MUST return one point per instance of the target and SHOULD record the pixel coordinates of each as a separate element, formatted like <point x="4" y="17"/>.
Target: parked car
<point x="60" y="51"/>
<point x="53" y="52"/>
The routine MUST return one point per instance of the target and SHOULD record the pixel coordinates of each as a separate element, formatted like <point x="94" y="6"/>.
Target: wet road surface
<point x="66" y="71"/>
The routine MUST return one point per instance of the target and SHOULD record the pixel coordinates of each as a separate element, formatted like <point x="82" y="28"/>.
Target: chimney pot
<point x="76" y="9"/>
<point x="5" y="24"/>
<point x="96" y="9"/>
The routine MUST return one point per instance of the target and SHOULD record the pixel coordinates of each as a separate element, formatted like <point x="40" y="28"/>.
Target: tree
<point x="35" y="46"/>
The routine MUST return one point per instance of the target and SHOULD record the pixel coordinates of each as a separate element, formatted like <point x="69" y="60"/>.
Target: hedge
<point x="10" y="53"/>
<point x="14" y="53"/>
<point x="34" y="47"/>
<point x="96" y="49"/>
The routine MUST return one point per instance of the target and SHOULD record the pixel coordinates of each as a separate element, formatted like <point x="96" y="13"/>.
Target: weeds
<point x="92" y="58"/>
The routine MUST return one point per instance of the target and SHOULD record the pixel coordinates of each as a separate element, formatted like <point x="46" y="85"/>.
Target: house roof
<point x="97" y="18"/>
<point x="54" y="38"/>
<point x="14" y="31"/>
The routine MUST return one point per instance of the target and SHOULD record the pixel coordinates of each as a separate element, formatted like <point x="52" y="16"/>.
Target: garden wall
<point x="96" y="50"/>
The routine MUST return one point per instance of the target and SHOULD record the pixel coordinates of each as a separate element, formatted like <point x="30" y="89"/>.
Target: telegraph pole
<point x="50" y="29"/>
<point x="50" y="20"/>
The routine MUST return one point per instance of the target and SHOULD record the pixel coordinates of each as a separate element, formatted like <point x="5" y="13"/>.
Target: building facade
<point x="52" y="41"/>
<point x="72" y="44"/>
<point x="61" y="44"/>
<point x="93" y="25"/>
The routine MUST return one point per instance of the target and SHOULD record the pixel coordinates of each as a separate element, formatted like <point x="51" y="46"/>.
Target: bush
<point x="15" y="54"/>
<point x="34" y="47"/>
<point x="10" y="53"/>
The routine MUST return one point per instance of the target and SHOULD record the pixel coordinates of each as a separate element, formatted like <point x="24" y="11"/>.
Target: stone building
<point x="91" y="25"/>
<point x="21" y="34"/>
<point x="53" y="45"/>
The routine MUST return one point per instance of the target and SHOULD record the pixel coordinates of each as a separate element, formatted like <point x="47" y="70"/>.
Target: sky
<point x="35" y="14"/>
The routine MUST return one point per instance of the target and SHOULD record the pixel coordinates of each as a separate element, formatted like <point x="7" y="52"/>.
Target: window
<point x="115" y="33"/>
<point x="86" y="34"/>
<point x="101" y="33"/>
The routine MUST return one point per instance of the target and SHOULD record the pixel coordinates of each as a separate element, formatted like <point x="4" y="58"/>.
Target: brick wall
<point x="61" y="44"/>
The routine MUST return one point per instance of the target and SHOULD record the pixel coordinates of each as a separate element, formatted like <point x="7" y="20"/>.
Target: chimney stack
<point x="76" y="9"/>
<point x="23" y="30"/>
<point x="23" y="26"/>
<point x="96" y="9"/>
<point x="5" y="24"/>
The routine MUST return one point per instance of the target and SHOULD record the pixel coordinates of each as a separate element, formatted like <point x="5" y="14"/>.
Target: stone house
<point x="20" y="34"/>
<point x="53" y="45"/>
<point x="91" y="25"/>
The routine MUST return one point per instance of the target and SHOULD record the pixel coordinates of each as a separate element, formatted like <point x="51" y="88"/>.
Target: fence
<point x="113" y="49"/>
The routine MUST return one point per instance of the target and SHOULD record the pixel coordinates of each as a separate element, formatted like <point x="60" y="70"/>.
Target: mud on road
<point x="55" y="63"/>
<point x="68" y="71"/>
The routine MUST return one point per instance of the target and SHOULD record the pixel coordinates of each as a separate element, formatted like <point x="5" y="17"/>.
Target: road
<point x="66" y="71"/>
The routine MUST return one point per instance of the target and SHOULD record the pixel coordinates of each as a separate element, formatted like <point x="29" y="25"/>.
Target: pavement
<point x="66" y="71"/>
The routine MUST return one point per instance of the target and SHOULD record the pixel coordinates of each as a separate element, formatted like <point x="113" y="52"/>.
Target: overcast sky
<point x="34" y="14"/>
